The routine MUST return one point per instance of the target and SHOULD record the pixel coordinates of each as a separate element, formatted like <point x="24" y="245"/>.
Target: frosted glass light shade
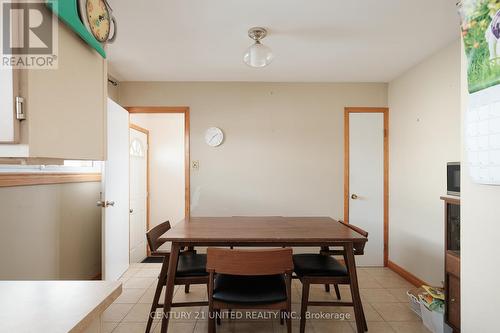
<point x="258" y="55"/>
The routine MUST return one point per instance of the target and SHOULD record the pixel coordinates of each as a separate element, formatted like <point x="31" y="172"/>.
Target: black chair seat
<point x="192" y="264"/>
<point x="317" y="265"/>
<point x="249" y="290"/>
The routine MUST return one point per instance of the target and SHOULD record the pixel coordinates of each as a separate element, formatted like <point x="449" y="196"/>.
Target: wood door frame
<point x="187" y="159"/>
<point x="148" y="205"/>
<point x="385" y="112"/>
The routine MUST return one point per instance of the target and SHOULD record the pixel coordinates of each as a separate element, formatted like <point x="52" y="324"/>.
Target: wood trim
<point x="148" y="186"/>
<point x="385" y="112"/>
<point x="139" y="128"/>
<point x="451" y="200"/>
<point x="157" y="109"/>
<point x="187" y="155"/>
<point x="29" y="179"/>
<point x="405" y="274"/>
<point x="97" y="277"/>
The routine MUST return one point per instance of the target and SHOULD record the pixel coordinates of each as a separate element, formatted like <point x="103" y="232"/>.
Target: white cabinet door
<point x="9" y="125"/>
<point x="115" y="224"/>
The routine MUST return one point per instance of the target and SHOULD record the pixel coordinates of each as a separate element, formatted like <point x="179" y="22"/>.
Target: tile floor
<point x="383" y="293"/>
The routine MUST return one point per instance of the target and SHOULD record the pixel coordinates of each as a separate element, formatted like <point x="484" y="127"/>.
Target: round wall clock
<point x="214" y="136"/>
<point x="98" y="19"/>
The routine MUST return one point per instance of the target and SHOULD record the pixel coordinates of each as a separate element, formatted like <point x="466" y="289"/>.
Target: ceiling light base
<point x="257" y="33"/>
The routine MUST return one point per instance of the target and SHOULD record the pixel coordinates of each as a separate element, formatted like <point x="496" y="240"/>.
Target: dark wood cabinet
<point x="452" y="262"/>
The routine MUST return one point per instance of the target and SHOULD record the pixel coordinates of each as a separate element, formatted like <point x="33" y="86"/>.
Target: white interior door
<point x="366" y="182"/>
<point x="115" y="199"/>
<point x="138" y="194"/>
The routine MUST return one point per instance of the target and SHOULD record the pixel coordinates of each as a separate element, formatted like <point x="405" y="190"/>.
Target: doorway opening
<point x="160" y="183"/>
<point x="366" y="177"/>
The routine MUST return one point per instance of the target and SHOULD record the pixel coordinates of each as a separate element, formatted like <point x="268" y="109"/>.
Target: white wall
<point x="167" y="167"/>
<point x="50" y="232"/>
<point x="283" y="147"/>
<point x="480" y="250"/>
<point x="424" y="135"/>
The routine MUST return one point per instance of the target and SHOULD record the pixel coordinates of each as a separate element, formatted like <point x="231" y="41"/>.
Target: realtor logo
<point x="29" y="35"/>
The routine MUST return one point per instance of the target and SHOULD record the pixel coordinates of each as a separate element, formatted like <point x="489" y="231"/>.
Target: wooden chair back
<point x="153" y="236"/>
<point x="249" y="262"/>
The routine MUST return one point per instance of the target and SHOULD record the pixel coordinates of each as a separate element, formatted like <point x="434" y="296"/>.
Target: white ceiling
<point x="313" y="40"/>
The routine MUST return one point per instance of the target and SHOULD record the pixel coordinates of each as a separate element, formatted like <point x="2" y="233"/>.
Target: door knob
<point x="131" y="210"/>
<point x="354" y="197"/>
<point x="104" y="204"/>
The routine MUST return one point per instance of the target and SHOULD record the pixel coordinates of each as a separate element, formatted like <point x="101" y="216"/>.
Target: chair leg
<point x="289" y="321"/>
<point x="218" y="314"/>
<point x="303" y="309"/>
<point x="337" y="291"/>
<point x="186" y="288"/>
<point x="159" y="287"/>
<point x="211" y="319"/>
<point x="327" y="288"/>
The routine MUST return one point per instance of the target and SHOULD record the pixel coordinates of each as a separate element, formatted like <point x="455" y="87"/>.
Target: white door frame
<point x="385" y="112"/>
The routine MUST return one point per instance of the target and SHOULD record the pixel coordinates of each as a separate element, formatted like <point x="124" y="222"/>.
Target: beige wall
<point x="480" y="227"/>
<point x="50" y="232"/>
<point x="166" y="165"/>
<point x="283" y="147"/>
<point x="424" y="123"/>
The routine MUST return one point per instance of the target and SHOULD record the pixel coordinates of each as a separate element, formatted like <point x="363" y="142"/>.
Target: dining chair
<point x="323" y="268"/>
<point x="249" y="279"/>
<point x="191" y="269"/>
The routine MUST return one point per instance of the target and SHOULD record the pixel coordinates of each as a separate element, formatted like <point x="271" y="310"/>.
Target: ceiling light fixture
<point x="258" y="55"/>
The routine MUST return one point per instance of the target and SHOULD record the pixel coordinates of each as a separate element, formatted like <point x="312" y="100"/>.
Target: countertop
<point x="54" y="306"/>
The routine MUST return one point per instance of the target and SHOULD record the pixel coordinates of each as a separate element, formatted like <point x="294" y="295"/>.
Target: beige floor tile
<point x="346" y="313"/>
<point x="130" y="272"/>
<point x="278" y="328"/>
<point x="399" y="293"/>
<point x="366" y="282"/>
<point x="108" y="326"/>
<point x="322" y="326"/>
<point x="196" y="293"/>
<point x="395" y="311"/>
<point x="139" y="282"/>
<point x="409" y="327"/>
<point x="116" y="312"/>
<point x="380" y="272"/>
<point x="391" y="282"/>
<point x="138" y="313"/>
<point x="253" y="326"/>
<point x="124" y="327"/>
<point x="130" y="296"/>
<point x="178" y="327"/>
<point x="146" y="272"/>
<point x="376" y="327"/>
<point x="377" y="296"/>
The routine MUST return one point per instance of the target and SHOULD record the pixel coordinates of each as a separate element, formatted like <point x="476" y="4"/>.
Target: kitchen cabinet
<point x="65" y="108"/>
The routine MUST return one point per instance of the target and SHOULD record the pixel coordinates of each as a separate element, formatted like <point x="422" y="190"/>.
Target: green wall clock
<point x="67" y="11"/>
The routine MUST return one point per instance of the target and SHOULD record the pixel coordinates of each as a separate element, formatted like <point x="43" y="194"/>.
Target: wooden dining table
<point x="255" y="231"/>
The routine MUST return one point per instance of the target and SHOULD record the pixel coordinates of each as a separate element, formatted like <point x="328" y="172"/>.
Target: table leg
<point x="356" y="298"/>
<point x="169" y="287"/>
